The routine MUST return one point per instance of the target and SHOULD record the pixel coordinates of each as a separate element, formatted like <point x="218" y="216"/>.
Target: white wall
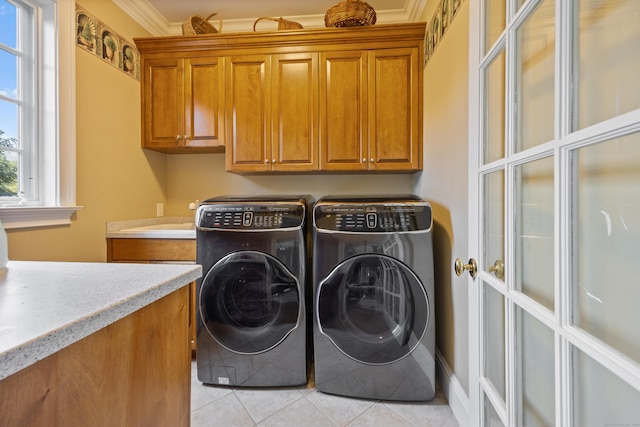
<point x="203" y="176"/>
<point x="444" y="183"/>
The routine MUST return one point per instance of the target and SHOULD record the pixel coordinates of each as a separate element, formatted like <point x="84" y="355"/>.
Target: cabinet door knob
<point x="266" y="161"/>
<point x="364" y="160"/>
<point x="178" y="137"/>
<point x="371" y="160"/>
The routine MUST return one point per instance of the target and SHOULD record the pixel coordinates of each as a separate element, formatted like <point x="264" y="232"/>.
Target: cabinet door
<point x="248" y="146"/>
<point x="343" y="110"/>
<point x="395" y="112"/>
<point x="204" y="102"/>
<point x="162" y="103"/>
<point x="294" y="112"/>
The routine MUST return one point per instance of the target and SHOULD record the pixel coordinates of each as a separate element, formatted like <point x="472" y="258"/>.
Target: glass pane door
<point x="605" y="246"/>
<point x="555" y="167"/>
<point x="607" y="59"/>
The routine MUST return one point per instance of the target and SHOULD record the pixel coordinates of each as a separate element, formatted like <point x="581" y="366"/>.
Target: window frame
<point x="25" y="55"/>
<point x="57" y="168"/>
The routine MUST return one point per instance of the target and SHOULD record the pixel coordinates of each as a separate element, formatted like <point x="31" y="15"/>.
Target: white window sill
<point x="36" y="216"/>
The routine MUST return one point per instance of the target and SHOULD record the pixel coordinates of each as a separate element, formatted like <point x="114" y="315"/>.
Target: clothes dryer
<point x="374" y="332"/>
<point x="251" y="301"/>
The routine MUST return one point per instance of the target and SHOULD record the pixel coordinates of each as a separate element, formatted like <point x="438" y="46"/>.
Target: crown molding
<point x="414" y="9"/>
<point x="145" y="14"/>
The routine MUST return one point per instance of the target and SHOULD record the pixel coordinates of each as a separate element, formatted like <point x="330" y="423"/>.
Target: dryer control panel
<point x="373" y="218"/>
<point x="233" y="216"/>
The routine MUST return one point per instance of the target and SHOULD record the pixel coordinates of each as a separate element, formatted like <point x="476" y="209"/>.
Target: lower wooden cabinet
<point x="134" y="372"/>
<point x="181" y="251"/>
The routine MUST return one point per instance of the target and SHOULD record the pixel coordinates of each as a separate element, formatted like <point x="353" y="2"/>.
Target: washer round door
<point x="373" y="308"/>
<point x="249" y="302"/>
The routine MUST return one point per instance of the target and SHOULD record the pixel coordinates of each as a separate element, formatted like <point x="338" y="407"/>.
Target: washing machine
<point x="252" y="305"/>
<point x="374" y="331"/>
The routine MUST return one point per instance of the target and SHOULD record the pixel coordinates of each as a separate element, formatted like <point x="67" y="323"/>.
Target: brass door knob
<point x="471" y="267"/>
<point x="498" y="269"/>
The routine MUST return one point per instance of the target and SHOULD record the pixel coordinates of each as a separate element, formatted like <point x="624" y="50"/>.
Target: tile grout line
<point x="255" y="423"/>
<point x="320" y="409"/>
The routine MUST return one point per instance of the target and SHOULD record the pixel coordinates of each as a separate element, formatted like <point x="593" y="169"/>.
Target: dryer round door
<point x="249" y="302"/>
<point x="373" y="308"/>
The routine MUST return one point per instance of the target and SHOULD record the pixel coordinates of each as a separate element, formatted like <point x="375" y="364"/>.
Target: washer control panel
<point x="234" y="216"/>
<point x="373" y="218"/>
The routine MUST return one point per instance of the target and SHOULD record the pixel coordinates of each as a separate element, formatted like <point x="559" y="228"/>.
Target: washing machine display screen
<point x="373" y="308"/>
<point x="373" y="218"/>
<point x="250" y="217"/>
<point x="249" y="302"/>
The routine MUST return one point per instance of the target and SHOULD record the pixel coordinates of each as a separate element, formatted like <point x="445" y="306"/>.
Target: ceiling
<point x="165" y="17"/>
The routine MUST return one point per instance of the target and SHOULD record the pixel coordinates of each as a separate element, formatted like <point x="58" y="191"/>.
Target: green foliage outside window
<point x="8" y="169"/>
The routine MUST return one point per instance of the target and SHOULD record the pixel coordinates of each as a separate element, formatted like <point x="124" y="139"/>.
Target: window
<point x="37" y="115"/>
<point x="18" y="109"/>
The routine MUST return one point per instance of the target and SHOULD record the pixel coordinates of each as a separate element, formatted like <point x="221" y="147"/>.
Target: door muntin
<point x="250" y="302"/>
<point x="373" y="308"/>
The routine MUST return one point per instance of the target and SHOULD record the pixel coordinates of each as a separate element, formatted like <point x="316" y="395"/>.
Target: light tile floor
<point x="304" y="406"/>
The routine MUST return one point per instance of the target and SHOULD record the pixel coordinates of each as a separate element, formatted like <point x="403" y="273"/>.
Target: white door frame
<point x="474" y="213"/>
<point x="567" y="336"/>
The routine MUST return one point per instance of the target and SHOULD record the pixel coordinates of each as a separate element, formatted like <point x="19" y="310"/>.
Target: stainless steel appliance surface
<point x="252" y="305"/>
<point x="373" y="284"/>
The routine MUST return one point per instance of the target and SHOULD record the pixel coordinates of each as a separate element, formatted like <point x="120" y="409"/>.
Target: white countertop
<point x="46" y="306"/>
<point x="176" y="227"/>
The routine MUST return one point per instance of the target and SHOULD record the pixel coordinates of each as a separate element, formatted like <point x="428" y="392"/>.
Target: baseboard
<point x="452" y="390"/>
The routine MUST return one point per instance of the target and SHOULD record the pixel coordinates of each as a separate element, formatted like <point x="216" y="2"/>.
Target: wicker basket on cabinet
<point x="350" y="13"/>
<point x="199" y="25"/>
<point x="283" y="24"/>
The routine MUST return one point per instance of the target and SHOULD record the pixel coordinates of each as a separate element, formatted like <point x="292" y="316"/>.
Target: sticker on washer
<point x="223" y="380"/>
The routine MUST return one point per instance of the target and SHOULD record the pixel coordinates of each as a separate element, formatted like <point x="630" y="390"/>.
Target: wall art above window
<point x="95" y="37"/>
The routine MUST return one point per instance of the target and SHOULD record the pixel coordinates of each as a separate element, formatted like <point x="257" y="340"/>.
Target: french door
<point x="554" y="212"/>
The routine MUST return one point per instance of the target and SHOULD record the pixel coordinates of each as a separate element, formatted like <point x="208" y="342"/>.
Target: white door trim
<point x="474" y="214"/>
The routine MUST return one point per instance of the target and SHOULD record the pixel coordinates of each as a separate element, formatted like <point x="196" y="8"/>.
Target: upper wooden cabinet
<point x="330" y="99"/>
<point x="272" y="113"/>
<point x="294" y="112"/>
<point x="248" y="147"/>
<point x="395" y="113"/>
<point x="344" y="130"/>
<point x="183" y="104"/>
<point x="369" y="110"/>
